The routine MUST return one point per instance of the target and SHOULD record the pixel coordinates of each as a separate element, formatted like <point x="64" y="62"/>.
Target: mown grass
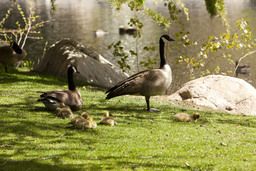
<point x="32" y="138"/>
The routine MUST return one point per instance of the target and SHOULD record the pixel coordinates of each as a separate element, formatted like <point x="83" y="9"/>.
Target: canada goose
<point x="88" y="123"/>
<point x="71" y="97"/>
<point x="11" y="54"/>
<point x="64" y="111"/>
<point x="106" y="120"/>
<point x="128" y="30"/>
<point x="241" y="69"/>
<point x="75" y="119"/>
<point x="100" y="33"/>
<point x="146" y="83"/>
<point x="184" y="117"/>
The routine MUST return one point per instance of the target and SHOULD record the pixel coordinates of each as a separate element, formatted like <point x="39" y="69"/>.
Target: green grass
<point x="32" y="138"/>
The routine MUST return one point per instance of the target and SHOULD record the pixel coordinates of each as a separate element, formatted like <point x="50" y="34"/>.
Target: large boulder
<point x="93" y="67"/>
<point x="230" y="94"/>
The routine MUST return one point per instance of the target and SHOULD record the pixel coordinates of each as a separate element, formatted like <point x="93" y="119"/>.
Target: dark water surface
<point x="78" y="19"/>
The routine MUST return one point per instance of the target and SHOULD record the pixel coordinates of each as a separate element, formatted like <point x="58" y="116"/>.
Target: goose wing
<point x="5" y="54"/>
<point x="140" y="83"/>
<point x="71" y="98"/>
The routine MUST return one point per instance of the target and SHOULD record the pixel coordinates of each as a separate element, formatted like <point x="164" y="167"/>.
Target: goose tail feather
<point x="117" y="90"/>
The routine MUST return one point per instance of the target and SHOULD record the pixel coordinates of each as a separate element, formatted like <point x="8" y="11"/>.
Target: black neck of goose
<point x="16" y="48"/>
<point x="71" y="83"/>
<point x="161" y="51"/>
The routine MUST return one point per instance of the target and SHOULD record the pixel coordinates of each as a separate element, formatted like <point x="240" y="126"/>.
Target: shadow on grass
<point x="33" y="165"/>
<point x="15" y="75"/>
<point x="246" y="123"/>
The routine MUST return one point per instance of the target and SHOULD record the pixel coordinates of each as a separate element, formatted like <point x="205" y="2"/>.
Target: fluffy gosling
<point x="64" y="111"/>
<point x="184" y="117"/>
<point x="86" y="123"/>
<point x="107" y="120"/>
<point x="75" y="119"/>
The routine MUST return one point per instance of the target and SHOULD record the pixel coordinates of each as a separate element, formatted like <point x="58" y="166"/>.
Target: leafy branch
<point x="24" y="29"/>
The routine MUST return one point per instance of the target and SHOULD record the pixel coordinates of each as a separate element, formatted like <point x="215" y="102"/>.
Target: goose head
<point x="196" y="115"/>
<point x="16" y="47"/>
<point x="84" y="115"/>
<point x="62" y="104"/>
<point x="72" y="69"/>
<point x="106" y="113"/>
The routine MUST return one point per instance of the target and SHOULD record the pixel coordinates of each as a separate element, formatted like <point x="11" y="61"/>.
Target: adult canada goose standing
<point x="146" y="83"/>
<point x="71" y="97"/>
<point x="11" y="54"/>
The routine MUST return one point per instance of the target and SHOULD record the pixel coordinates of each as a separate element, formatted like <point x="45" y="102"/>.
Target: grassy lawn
<point x="32" y="138"/>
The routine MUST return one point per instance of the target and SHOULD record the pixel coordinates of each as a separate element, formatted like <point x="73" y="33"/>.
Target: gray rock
<point x="233" y="95"/>
<point x="93" y="67"/>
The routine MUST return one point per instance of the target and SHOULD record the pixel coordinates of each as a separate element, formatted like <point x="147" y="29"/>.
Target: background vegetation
<point x="32" y="138"/>
<point x="217" y="47"/>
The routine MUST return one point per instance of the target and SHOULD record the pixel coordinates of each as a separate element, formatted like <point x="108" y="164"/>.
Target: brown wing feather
<point x="136" y="84"/>
<point x="71" y="98"/>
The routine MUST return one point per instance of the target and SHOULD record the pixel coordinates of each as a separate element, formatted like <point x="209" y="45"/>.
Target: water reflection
<point x="78" y="19"/>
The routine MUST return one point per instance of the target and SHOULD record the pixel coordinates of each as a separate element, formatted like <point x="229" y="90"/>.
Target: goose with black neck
<point x="11" y="54"/>
<point x="146" y="83"/>
<point x="71" y="97"/>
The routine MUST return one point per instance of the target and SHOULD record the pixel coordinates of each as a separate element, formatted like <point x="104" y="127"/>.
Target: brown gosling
<point x="75" y="119"/>
<point x="107" y="120"/>
<point x="184" y="117"/>
<point x="64" y="111"/>
<point x="86" y="123"/>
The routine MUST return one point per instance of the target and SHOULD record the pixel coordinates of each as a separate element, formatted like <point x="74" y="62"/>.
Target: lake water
<point x="78" y="19"/>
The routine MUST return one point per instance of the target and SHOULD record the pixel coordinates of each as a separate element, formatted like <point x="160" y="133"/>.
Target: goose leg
<point x="148" y="106"/>
<point x="5" y="68"/>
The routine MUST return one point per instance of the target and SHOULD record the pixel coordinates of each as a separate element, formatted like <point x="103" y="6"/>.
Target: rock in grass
<point x="184" y="117"/>
<point x="93" y="67"/>
<point x="233" y="95"/>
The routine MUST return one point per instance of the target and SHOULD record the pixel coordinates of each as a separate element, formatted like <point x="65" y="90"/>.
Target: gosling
<point x="75" y="119"/>
<point x="184" y="117"/>
<point x="87" y="123"/>
<point x="64" y="111"/>
<point x="107" y="120"/>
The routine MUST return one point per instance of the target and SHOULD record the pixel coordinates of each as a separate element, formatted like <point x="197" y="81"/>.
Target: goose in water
<point x="146" y="83"/>
<point x="71" y="97"/>
<point x="11" y="54"/>
<point x="242" y="69"/>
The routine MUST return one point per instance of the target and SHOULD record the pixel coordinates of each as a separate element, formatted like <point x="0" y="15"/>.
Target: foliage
<point x="32" y="138"/>
<point x="24" y="30"/>
<point x="53" y="6"/>
<point x="175" y="9"/>
<point x="215" y="47"/>
<point x="215" y="7"/>
<point x="221" y="46"/>
<point x="119" y="52"/>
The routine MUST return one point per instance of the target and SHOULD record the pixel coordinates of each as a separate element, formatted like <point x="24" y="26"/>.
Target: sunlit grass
<point x="32" y="138"/>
